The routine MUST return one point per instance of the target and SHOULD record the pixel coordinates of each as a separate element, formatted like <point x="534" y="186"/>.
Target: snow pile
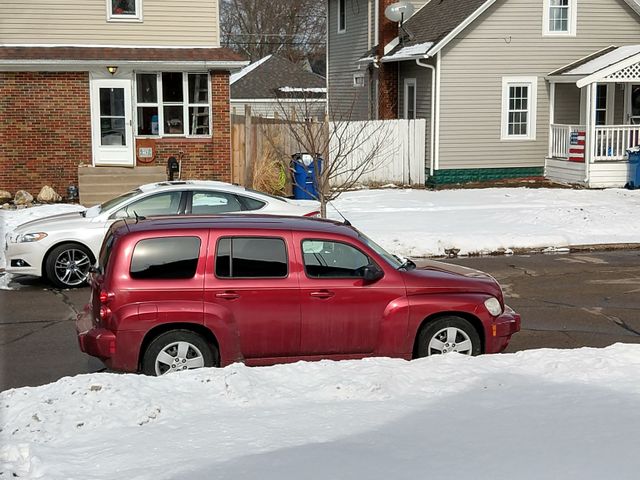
<point x="536" y="414"/>
<point x="420" y="223"/>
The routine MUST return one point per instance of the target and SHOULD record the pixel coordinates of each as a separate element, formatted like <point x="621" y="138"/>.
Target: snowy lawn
<point x="541" y="414"/>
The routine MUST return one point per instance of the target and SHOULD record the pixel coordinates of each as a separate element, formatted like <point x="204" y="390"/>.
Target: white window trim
<point x="408" y="82"/>
<point x="532" y="83"/>
<point x="342" y="2"/>
<point x="160" y="105"/>
<point x="356" y="76"/>
<point x="573" y="20"/>
<point x="111" y="17"/>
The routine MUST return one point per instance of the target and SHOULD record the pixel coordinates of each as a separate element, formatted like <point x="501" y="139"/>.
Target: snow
<point x="408" y="52"/>
<point x="568" y="414"/>
<point x="300" y="89"/>
<point x="234" y="77"/>
<point x="606" y="60"/>
<point x="536" y="414"/>
<point x="421" y="223"/>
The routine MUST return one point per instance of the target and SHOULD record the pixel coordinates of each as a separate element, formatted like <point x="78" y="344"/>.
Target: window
<point x="410" y="98"/>
<point x="251" y="257"/>
<point x="560" y="17"/>
<point x="208" y="203"/>
<point x="325" y="259"/>
<point x="342" y="16"/>
<point x="165" y="258"/>
<point x="173" y="103"/>
<point x="519" y="99"/>
<point x="601" y="104"/>
<point x="162" y="204"/>
<point x="358" y="79"/>
<point x="124" y="10"/>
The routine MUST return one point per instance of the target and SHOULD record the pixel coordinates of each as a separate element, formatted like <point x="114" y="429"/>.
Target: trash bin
<point x="305" y="176"/>
<point x="634" y="168"/>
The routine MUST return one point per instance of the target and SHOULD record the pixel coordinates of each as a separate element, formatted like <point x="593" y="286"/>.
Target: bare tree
<point x="294" y="29"/>
<point x="341" y="151"/>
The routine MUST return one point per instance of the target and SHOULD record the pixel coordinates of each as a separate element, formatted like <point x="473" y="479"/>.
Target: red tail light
<point x="105" y="297"/>
<point x="312" y="214"/>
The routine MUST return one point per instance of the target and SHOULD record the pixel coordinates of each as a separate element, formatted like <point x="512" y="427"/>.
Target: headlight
<point x="30" y="237"/>
<point x="493" y="306"/>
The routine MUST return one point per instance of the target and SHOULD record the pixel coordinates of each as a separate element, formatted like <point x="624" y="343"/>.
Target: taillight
<point x="312" y="214"/>
<point x="105" y="313"/>
<point x="105" y="297"/>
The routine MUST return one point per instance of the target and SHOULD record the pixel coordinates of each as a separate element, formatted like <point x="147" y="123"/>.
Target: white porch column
<point x="590" y="129"/>
<point x="552" y="111"/>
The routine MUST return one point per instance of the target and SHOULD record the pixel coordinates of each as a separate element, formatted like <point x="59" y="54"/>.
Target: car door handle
<point x="322" y="294"/>
<point x="228" y="295"/>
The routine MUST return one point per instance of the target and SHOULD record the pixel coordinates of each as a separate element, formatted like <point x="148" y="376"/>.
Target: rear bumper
<point x="98" y="342"/>
<point x="501" y="330"/>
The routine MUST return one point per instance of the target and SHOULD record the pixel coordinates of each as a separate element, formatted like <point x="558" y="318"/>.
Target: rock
<point x="22" y="197"/>
<point x="6" y="206"/>
<point x="48" y="195"/>
<point x="4" y="195"/>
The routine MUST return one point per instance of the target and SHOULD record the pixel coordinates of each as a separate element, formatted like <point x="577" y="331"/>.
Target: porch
<point x="594" y="113"/>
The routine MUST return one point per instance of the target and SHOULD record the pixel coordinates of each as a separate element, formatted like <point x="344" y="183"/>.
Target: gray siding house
<point x="512" y="88"/>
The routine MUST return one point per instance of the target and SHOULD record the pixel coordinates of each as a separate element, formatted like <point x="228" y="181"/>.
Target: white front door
<point x="111" y="122"/>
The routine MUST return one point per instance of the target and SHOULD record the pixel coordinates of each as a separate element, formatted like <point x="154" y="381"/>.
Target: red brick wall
<point x="204" y="158"/>
<point x="388" y="73"/>
<point x="45" y="129"/>
<point x="45" y="132"/>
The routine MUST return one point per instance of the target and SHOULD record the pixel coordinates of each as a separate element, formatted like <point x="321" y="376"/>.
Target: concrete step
<point x="99" y="184"/>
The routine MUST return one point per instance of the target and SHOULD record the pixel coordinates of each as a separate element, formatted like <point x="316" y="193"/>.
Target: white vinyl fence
<point x="378" y="151"/>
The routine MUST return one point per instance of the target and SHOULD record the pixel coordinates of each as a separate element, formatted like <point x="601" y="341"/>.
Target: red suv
<point x="171" y="294"/>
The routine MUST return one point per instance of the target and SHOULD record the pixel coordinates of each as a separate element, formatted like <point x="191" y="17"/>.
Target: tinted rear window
<point x="245" y="257"/>
<point x="165" y="258"/>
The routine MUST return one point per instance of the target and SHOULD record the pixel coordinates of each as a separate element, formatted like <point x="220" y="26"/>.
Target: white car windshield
<point x="109" y="204"/>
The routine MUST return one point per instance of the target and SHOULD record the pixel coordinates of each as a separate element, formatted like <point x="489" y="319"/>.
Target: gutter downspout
<point x="433" y="114"/>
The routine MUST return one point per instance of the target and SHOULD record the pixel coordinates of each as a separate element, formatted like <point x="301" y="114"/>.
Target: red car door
<point x="341" y="312"/>
<point x="251" y="284"/>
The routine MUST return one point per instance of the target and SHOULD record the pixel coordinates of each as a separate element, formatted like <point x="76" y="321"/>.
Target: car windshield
<point x="392" y="260"/>
<point x="109" y="204"/>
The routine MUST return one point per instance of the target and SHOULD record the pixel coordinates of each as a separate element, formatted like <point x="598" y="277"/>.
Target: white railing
<point x="612" y="141"/>
<point x="560" y="139"/>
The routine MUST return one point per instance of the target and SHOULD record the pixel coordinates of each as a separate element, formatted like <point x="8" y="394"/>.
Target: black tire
<point x="436" y="330"/>
<point x="197" y="347"/>
<point x="67" y="265"/>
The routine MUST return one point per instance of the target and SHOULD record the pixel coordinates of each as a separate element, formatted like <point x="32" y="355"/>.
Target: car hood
<point x="64" y="221"/>
<point x="438" y="277"/>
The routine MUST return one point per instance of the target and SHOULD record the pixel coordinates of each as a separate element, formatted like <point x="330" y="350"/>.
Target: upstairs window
<point x="124" y="10"/>
<point x="342" y="16"/>
<point x="560" y="17"/>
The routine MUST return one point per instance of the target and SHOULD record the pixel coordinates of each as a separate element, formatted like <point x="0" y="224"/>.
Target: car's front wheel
<point x="177" y="350"/>
<point x="448" y="334"/>
<point x="67" y="265"/>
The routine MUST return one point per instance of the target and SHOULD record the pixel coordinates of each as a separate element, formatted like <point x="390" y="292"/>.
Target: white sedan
<point x="63" y="248"/>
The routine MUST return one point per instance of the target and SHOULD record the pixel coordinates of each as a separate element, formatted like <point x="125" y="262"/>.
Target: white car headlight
<point x="30" y="237"/>
<point x="493" y="306"/>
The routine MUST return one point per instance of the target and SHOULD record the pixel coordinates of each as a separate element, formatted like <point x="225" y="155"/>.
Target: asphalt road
<point x="566" y="301"/>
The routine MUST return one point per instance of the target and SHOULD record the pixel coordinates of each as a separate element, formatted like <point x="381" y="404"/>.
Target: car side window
<point x="165" y="258"/>
<point x="208" y="203"/>
<point x="251" y="203"/>
<point x="328" y="259"/>
<point x="251" y="257"/>
<point x="167" y="203"/>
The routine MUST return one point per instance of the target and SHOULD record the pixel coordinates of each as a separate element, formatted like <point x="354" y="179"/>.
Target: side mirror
<point x="372" y="273"/>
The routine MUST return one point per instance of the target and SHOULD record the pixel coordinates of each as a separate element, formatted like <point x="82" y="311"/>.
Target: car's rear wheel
<point x="448" y="334"/>
<point x="175" y="351"/>
<point x="67" y="265"/>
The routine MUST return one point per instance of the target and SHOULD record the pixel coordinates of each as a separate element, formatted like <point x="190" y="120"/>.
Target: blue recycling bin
<point x="305" y="176"/>
<point x="634" y="170"/>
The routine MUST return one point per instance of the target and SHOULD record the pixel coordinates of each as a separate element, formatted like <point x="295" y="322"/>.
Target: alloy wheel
<point x="450" y="339"/>
<point x="72" y="267"/>
<point x="178" y="356"/>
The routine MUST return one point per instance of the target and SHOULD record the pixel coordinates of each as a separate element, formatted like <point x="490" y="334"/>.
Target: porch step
<point x="99" y="184"/>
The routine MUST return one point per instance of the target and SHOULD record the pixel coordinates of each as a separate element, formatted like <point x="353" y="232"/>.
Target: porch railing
<point x="560" y="139"/>
<point x="612" y="141"/>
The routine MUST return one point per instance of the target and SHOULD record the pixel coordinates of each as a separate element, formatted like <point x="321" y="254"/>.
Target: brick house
<point x="114" y="83"/>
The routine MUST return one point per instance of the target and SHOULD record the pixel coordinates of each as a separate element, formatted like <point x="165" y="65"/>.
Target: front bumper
<point x="30" y="252"/>
<point x="501" y="330"/>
